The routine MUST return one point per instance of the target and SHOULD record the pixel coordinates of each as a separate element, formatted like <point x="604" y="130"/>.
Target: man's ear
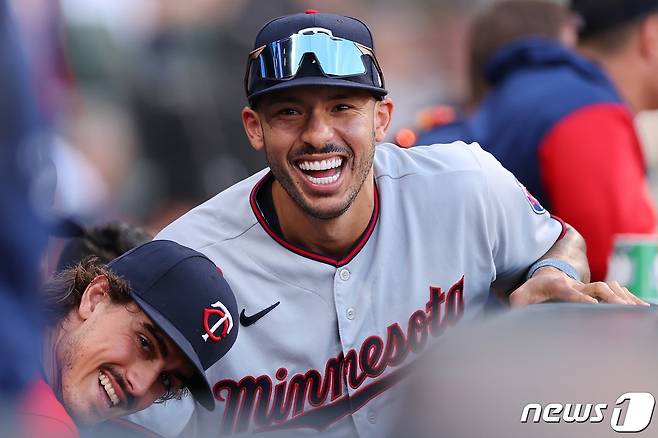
<point x="252" y="126"/>
<point x="95" y="293"/>
<point x="383" y="115"/>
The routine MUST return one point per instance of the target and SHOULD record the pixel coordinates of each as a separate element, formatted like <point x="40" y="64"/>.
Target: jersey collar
<point x="360" y="243"/>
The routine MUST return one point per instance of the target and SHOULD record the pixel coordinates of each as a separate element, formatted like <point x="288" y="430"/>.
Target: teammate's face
<point x="319" y="142"/>
<point x="115" y="360"/>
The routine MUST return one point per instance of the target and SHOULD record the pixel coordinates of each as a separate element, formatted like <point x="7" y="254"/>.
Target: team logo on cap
<point x="222" y="326"/>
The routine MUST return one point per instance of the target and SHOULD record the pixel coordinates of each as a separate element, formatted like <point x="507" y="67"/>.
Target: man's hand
<point x="549" y="283"/>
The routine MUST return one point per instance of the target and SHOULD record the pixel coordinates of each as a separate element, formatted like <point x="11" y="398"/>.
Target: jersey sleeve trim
<point x="564" y="226"/>
<point x="305" y="253"/>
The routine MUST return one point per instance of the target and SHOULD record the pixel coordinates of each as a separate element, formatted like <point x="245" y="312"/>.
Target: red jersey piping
<point x="305" y="253"/>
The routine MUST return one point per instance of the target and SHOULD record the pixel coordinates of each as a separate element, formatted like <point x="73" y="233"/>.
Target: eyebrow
<point x="162" y="346"/>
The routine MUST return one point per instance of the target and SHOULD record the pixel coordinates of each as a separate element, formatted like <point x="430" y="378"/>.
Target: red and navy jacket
<point x="556" y="121"/>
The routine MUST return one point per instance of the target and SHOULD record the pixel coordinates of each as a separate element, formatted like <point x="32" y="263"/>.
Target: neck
<point x="628" y="80"/>
<point x="327" y="237"/>
<point x="51" y="341"/>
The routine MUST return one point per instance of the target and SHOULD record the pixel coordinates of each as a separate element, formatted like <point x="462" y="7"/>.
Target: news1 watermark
<point x="631" y="413"/>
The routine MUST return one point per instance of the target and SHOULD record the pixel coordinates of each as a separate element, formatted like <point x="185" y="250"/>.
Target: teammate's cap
<point x="313" y="49"/>
<point x="601" y="15"/>
<point x="185" y="294"/>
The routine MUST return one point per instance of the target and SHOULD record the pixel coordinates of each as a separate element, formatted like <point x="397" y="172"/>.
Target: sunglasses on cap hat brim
<point x="336" y="57"/>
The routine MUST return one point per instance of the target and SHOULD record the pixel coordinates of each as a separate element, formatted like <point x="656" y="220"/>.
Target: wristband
<point x="557" y="264"/>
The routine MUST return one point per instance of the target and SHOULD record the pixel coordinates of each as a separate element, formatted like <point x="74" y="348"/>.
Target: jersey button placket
<point x="344" y="275"/>
<point x="345" y="310"/>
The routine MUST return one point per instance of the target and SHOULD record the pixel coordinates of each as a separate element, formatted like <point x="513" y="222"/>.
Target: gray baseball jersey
<point x="448" y="221"/>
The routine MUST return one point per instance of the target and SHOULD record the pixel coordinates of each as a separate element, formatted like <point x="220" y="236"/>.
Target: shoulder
<point x="438" y="159"/>
<point x="223" y="217"/>
<point x="41" y="414"/>
<point x="564" y="89"/>
<point x="594" y="129"/>
<point x="437" y="172"/>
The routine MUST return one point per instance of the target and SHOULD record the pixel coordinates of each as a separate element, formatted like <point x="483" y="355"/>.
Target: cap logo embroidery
<point x="224" y="324"/>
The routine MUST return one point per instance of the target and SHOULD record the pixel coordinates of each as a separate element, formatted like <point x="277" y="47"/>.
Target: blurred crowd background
<point x="143" y="98"/>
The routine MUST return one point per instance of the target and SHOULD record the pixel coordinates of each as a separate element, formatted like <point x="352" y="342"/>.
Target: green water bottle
<point x="634" y="264"/>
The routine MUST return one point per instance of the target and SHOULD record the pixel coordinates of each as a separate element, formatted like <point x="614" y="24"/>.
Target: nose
<point x="141" y="379"/>
<point x="318" y="129"/>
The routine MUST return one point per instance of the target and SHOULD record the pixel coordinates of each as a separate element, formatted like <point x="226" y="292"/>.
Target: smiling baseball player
<point x="347" y="259"/>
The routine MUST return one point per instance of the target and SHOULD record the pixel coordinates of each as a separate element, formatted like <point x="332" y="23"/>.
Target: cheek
<point x="281" y="133"/>
<point x="108" y="348"/>
<point x="278" y="147"/>
<point x="357" y="129"/>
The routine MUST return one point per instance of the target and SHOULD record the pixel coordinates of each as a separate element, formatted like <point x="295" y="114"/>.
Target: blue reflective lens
<point x="337" y="57"/>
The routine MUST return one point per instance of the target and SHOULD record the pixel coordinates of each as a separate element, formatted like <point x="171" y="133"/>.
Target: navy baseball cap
<point x="602" y="15"/>
<point x="186" y="296"/>
<point x="310" y="49"/>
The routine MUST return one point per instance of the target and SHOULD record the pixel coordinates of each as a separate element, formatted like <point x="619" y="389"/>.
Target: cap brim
<point x="198" y="385"/>
<point x="317" y="81"/>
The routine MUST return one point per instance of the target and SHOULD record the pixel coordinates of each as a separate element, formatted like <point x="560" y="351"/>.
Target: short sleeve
<point x="519" y="228"/>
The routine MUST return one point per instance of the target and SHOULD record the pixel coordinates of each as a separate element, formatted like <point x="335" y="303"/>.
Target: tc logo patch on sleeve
<point x="534" y="203"/>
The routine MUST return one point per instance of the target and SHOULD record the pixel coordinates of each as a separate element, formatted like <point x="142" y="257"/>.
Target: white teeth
<point x="321" y="165"/>
<point x="324" y="180"/>
<point x="109" y="389"/>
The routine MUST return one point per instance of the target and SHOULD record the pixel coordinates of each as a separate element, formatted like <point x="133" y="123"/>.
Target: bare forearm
<point x="551" y="283"/>
<point x="573" y="250"/>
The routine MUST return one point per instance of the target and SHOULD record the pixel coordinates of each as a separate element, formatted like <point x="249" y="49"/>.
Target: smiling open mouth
<point x="321" y="172"/>
<point x="109" y="389"/>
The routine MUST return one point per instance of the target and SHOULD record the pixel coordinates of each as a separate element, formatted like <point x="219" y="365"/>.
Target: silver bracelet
<point x="557" y="264"/>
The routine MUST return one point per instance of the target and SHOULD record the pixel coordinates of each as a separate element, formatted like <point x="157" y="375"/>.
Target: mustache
<point x="329" y="148"/>
<point x="130" y="399"/>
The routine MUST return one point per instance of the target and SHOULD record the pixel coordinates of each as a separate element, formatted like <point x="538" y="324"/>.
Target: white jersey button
<point x="372" y="417"/>
<point x="351" y="313"/>
<point x="344" y="274"/>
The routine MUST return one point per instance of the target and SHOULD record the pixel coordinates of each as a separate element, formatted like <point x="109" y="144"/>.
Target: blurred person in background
<point x="24" y="185"/>
<point x="106" y="242"/>
<point x="563" y="123"/>
<point x="185" y="106"/>
<point x="121" y="336"/>
<point x="90" y="136"/>
<point x="93" y="154"/>
<point x="647" y="127"/>
<point x="621" y="37"/>
<point x="492" y="28"/>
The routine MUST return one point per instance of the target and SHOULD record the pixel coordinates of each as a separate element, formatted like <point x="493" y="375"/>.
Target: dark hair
<point x="611" y="40"/>
<point x="503" y="22"/>
<point x="63" y="292"/>
<point x="107" y="242"/>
